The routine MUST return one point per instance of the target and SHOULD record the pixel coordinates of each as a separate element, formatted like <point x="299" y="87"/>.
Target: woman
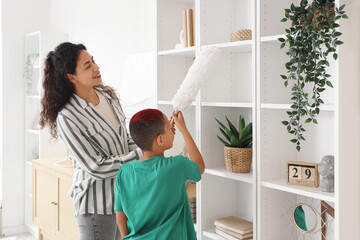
<point x="88" y="117"/>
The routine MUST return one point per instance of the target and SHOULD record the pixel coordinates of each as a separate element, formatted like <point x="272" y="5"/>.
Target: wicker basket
<point x="238" y="160"/>
<point x="240" y="35"/>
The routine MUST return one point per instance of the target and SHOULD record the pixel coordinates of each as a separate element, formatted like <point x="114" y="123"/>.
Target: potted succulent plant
<point x="238" y="145"/>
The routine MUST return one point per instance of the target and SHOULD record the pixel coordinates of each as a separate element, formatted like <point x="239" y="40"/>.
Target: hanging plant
<point x="28" y="71"/>
<point x="311" y="37"/>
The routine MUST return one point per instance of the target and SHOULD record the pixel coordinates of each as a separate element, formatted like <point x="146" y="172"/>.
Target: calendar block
<point x="302" y="173"/>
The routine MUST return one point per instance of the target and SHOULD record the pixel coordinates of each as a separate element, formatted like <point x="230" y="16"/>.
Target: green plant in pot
<point x="238" y="145"/>
<point x="311" y="37"/>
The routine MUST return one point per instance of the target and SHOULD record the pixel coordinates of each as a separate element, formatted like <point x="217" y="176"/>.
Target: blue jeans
<point x="97" y="227"/>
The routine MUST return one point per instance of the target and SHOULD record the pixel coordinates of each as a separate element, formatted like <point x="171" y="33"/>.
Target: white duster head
<point x="195" y="77"/>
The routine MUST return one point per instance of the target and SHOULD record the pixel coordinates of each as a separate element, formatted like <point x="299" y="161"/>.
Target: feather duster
<point x="195" y="77"/>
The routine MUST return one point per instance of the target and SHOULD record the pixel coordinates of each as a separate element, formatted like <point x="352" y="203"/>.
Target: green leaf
<point x="345" y="16"/>
<point x="293" y="140"/>
<point x="336" y="34"/>
<point x="285" y="123"/>
<point x="241" y="124"/>
<point x="315" y="121"/>
<point x="246" y="131"/>
<point x="335" y="56"/>
<point x="228" y="132"/>
<point x="282" y="45"/>
<point x="246" y="140"/>
<point x="292" y="7"/>
<point x="298" y="148"/>
<point x="234" y="141"/>
<point x="341" y="7"/>
<point x="233" y="128"/>
<point x="224" y="133"/>
<point x="308" y="120"/>
<point x="283" y="20"/>
<point x="329" y="84"/>
<point x="222" y="140"/>
<point x="281" y="39"/>
<point x="283" y="76"/>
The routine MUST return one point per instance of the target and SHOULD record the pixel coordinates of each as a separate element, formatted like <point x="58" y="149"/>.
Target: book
<point x="234" y="234"/>
<point x="235" y="224"/>
<point x="191" y="191"/>
<point x="230" y="237"/>
<point x="185" y="30"/>
<point x="190" y="27"/>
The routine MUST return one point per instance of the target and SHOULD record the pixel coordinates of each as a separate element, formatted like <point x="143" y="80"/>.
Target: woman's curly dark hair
<point x="57" y="87"/>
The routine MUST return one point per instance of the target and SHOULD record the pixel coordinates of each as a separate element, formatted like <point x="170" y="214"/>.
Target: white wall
<point x="110" y="29"/>
<point x="18" y="18"/>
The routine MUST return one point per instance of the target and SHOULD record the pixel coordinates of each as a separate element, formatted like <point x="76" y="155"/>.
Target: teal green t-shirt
<point x="152" y="195"/>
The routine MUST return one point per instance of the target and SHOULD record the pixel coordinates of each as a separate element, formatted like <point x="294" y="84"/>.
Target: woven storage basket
<point x="240" y="35"/>
<point x="238" y="160"/>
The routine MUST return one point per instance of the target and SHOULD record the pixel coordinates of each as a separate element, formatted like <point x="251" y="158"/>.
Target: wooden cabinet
<point x="52" y="206"/>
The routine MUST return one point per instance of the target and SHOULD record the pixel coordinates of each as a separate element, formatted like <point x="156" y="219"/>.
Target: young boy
<point x="150" y="196"/>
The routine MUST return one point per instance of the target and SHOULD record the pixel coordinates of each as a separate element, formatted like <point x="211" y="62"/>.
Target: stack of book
<point x="188" y="27"/>
<point x="234" y="228"/>
<point x="191" y="192"/>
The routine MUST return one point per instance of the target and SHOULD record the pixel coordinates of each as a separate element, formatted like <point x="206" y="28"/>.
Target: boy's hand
<point x="179" y="121"/>
<point x="172" y="124"/>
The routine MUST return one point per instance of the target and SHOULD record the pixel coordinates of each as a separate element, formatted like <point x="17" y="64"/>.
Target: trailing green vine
<point x="28" y="71"/>
<point x="311" y="37"/>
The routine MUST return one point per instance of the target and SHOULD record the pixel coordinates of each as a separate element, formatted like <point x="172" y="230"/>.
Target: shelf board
<point x="221" y="172"/>
<point x="237" y="47"/>
<point x="170" y="103"/>
<point x="273" y="38"/>
<point x="33" y="96"/>
<point x="28" y="163"/>
<point x="288" y="106"/>
<point x="227" y="104"/>
<point x="33" y="34"/>
<point x="180" y="52"/>
<point x="214" y="104"/>
<point x="280" y="184"/>
<point x="33" y="131"/>
<point x="183" y="1"/>
<point x="212" y="235"/>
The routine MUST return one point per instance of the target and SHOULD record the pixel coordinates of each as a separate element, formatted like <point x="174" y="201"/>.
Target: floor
<point x="22" y="236"/>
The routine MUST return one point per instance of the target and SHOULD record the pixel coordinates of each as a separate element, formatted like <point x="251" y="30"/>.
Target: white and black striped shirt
<point x="98" y="150"/>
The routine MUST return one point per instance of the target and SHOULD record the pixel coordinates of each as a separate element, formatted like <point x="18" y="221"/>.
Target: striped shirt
<point x="98" y="150"/>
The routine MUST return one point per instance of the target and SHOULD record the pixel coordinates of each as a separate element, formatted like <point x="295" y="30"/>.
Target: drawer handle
<point x="54" y="203"/>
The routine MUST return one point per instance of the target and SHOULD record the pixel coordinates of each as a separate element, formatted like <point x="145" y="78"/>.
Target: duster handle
<point x="175" y="113"/>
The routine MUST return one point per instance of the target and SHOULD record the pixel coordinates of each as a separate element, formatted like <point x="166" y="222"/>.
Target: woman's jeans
<point x="97" y="227"/>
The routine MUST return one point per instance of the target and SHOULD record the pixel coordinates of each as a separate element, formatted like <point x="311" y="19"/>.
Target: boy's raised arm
<point x="121" y="222"/>
<point x="194" y="153"/>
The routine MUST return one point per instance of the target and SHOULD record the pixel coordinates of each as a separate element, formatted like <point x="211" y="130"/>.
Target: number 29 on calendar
<point x="302" y="173"/>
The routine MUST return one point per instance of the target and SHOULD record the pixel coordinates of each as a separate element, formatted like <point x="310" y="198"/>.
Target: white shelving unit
<point x="246" y="81"/>
<point x="220" y="193"/>
<point x="37" y="144"/>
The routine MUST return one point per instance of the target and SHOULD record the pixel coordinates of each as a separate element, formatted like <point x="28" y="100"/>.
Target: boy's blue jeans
<point x="97" y="227"/>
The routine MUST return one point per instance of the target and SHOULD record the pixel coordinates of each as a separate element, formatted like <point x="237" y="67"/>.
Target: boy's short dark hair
<point x="145" y="126"/>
